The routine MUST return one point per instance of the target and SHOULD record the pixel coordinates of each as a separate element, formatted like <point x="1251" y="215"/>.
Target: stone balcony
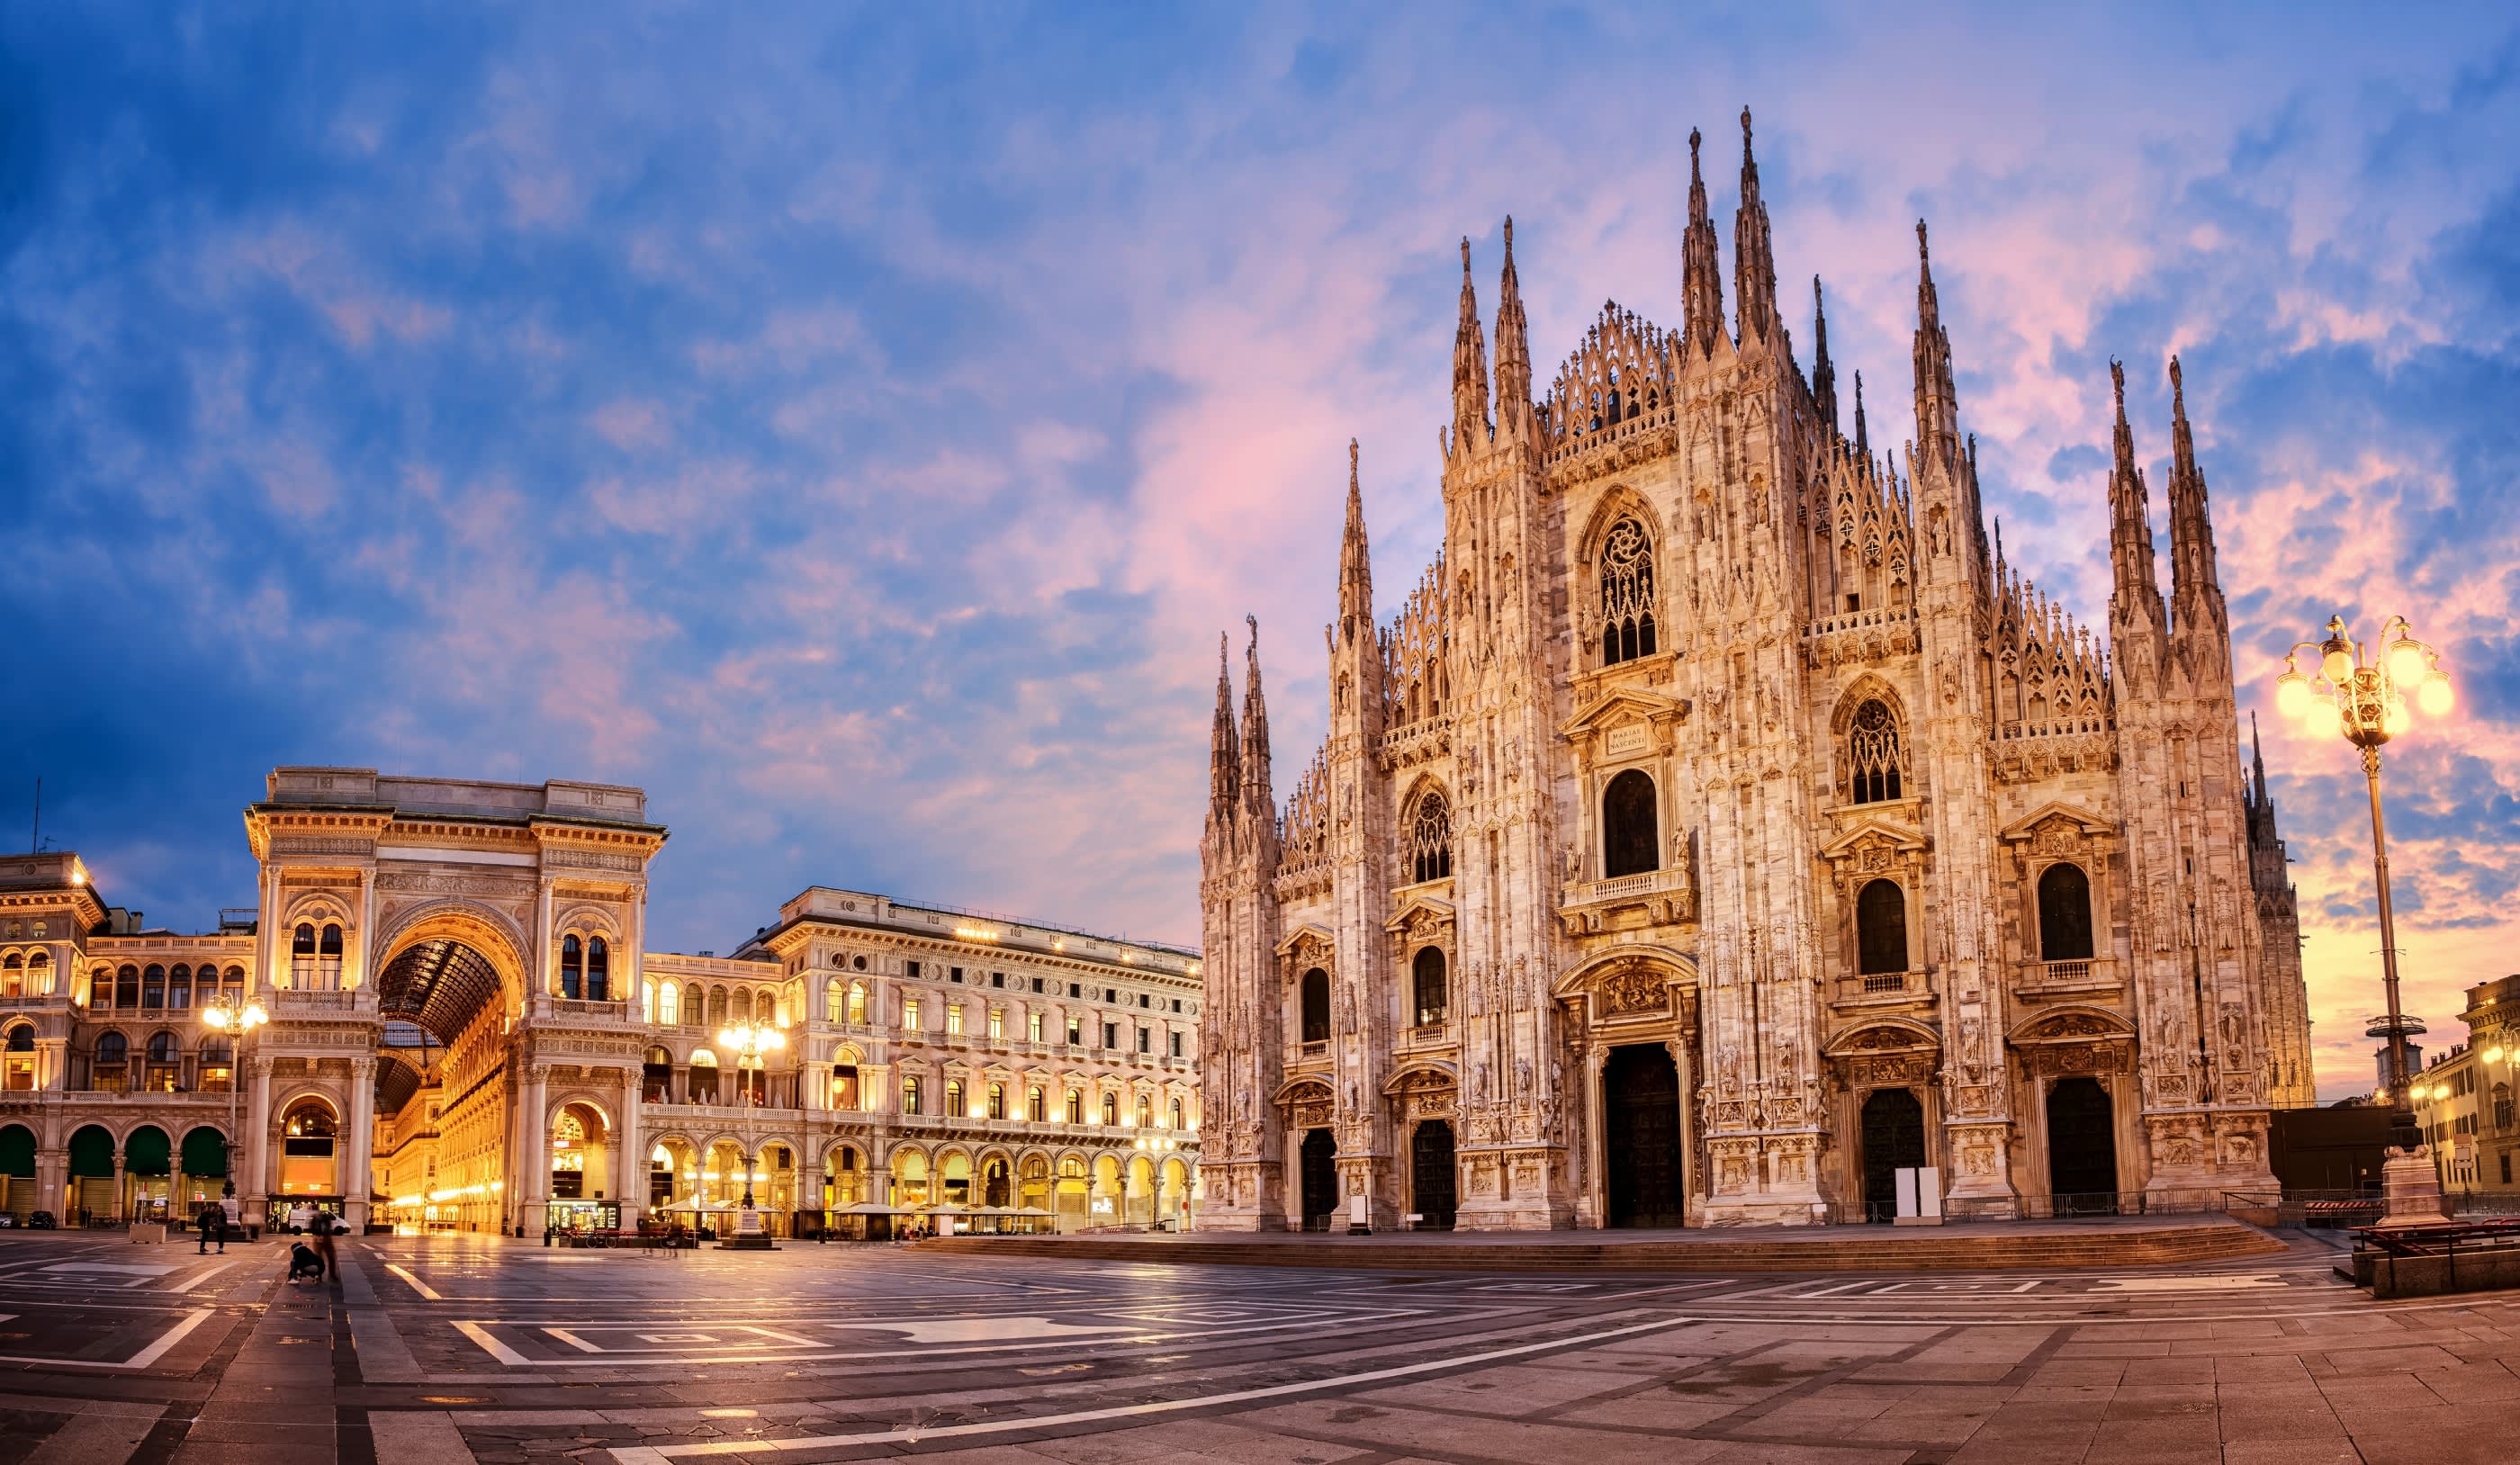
<point x="1657" y="897"/>
<point x="1858" y="990"/>
<point x="2060" y="980"/>
<point x="285" y="1003"/>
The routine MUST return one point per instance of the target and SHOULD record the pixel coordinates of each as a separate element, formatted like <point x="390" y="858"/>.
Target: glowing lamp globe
<point x="2396" y="719"/>
<point x="2433" y="695"/>
<point x="2323" y="719"/>
<point x="2335" y="662"/>
<point x="2406" y="660"/>
<point x="2292" y="695"/>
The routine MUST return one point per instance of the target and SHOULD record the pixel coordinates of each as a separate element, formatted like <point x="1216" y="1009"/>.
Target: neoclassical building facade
<point x="466" y="1032"/>
<point x="1722" y="825"/>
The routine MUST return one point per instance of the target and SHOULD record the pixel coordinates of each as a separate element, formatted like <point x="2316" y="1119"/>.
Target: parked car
<point x="8" y="1219"/>
<point x="41" y="1221"/>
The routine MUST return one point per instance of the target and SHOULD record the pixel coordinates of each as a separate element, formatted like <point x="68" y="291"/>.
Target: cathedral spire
<point x="1823" y="375"/>
<point x="2136" y="594"/>
<point x="1224" y="771"/>
<point x="2196" y="593"/>
<point x="1701" y="284"/>
<point x="2257" y="764"/>
<point x="1863" y="442"/>
<point x="1938" y="414"/>
<point x="1470" y="363"/>
<point x="1753" y="257"/>
<point x="1356" y="570"/>
<point x="1256" y="794"/>
<point x="1512" y="341"/>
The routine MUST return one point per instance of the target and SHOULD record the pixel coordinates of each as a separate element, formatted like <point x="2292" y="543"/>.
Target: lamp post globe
<point x="237" y="1017"/>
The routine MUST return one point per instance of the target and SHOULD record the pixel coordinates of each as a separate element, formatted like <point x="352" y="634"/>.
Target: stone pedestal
<point x="2410" y="1193"/>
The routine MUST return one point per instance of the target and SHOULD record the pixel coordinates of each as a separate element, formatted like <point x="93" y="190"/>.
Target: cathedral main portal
<point x="1640" y="1102"/>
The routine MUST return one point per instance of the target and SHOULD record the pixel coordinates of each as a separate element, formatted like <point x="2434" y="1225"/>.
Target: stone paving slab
<point x="523" y="1357"/>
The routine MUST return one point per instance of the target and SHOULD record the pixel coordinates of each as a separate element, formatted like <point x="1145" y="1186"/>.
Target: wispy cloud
<point x="856" y="431"/>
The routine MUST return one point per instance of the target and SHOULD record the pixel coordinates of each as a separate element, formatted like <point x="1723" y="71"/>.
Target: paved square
<point x="445" y="1351"/>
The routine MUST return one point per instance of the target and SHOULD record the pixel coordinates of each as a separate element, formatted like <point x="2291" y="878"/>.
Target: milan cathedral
<point x="1722" y="827"/>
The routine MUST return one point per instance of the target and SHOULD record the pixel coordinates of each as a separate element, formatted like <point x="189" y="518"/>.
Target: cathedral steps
<point x="1833" y="1249"/>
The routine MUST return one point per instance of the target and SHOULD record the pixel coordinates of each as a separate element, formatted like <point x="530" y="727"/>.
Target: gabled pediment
<point x="1308" y="929"/>
<point x="2083" y="820"/>
<point x="1623" y="704"/>
<point x="1412" y="909"/>
<point x="1902" y="838"/>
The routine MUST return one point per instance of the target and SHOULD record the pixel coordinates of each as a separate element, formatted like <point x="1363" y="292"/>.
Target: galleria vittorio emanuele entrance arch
<point x="457" y="959"/>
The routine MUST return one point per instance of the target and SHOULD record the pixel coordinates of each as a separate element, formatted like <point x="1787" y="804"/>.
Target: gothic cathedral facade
<point x="1722" y="826"/>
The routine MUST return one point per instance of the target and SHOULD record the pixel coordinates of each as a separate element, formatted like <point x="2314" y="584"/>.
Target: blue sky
<point x="855" y="424"/>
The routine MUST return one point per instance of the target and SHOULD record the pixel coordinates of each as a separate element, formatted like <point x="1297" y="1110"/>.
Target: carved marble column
<point x="355" y="1181"/>
<point x="255" y="1191"/>
<point x="1596" y="1196"/>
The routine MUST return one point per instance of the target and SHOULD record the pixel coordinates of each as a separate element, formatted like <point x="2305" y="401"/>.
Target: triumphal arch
<point x="484" y="937"/>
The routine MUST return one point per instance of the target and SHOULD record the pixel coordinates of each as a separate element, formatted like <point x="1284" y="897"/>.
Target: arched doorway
<point x="1893" y="1139"/>
<point x="91" y="1161"/>
<point x="18" y="1170"/>
<point x="1641" y="1140"/>
<point x="2081" y="1148"/>
<point x="309" y="1161"/>
<point x="148" y="1166"/>
<point x="1431" y="1174"/>
<point x="1320" y="1179"/>
<point x="997" y="1183"/>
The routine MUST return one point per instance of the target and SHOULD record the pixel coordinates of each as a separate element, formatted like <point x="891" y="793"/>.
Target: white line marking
<point x="417" y="1285"/>
<point x="142" y="1360"/>
<point x="642" y="1455"/>
<point x="784" y="1337"/>
<point x="174" y="1335"/>
<point x="492" y="1346"/>
<point x="574" y="1341"/>
<point x="831" y="1353"/>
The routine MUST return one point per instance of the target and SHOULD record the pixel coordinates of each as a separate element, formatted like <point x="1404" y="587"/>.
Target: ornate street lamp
<point x="750" y="1044"/>
<point x="2365" y="702"/>
<point x="239" y="1016"/>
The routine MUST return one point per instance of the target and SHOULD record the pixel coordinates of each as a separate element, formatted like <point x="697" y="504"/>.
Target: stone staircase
<point x="1991" y="1246"/>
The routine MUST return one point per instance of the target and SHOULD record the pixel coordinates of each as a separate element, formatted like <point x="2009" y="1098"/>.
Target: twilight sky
<point x="856" y="431"/>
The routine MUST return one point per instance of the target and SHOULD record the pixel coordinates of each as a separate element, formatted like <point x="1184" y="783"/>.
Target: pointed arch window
<point x="2065" y="913"/>
<point x="1881" y="928"/>
<point x="1631" y="837"/>
<point x="1427" y="978"/>
<point x="1875" y="759"/>
<point x="1317" y="1005"/>
<point x="1627" y="594"/>
<point x="1430" y="838"/>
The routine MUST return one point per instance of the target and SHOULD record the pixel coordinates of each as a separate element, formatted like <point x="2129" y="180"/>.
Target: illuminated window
<point x="997" y="1024"/>
<point x="910" y="1014"/>
<point x="954" y="1021"/>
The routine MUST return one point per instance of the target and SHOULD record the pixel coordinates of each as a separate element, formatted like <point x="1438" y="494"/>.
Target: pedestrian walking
<point x="323" y="1225"/>
<point x="208" y="1220"/>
